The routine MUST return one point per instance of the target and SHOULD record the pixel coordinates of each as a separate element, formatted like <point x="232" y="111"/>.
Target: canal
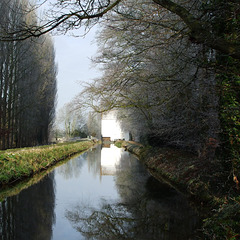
<point x="105" y="193"/>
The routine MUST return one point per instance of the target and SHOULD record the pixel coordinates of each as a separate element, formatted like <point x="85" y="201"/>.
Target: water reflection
<point x="30" y="214"/>
<point x="102" y="194"/>
<point x="146" y="209"/>
<point x="94" y="161"/>
<point x="71" y="169"/>
<point x="110" y="159"/>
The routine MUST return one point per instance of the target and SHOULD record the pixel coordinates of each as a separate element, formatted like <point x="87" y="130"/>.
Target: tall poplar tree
<point x="27" y="81"/>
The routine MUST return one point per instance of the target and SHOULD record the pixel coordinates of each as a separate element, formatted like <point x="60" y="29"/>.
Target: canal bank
<point x="204" y="182"/>
<point x="19" y="164"/>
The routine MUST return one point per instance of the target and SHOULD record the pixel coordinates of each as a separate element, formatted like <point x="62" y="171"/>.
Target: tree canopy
<point x="199" y="20"/>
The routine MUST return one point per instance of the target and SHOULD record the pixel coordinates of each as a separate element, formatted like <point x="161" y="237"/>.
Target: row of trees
<point x="27" y="81"/>
<point x="163" y="84"/>
<point x="170" y="67"/>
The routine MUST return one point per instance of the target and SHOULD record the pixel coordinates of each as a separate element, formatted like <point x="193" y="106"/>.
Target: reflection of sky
<point x="83" y="189"/>
<point x="88" y="201"/>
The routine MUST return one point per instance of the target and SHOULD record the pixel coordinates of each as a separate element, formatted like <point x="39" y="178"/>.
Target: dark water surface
<point x="101" y="194"/>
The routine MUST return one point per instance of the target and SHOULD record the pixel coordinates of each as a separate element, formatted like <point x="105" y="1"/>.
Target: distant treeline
<point x="27" y="81"/>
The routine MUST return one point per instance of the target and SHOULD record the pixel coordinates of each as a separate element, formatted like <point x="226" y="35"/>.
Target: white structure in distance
<point x="111" y="128"/>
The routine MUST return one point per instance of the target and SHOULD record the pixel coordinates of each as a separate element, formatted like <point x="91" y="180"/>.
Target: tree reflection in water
<point x="108" y="223"/>
<point x="147" y="209"/>
<point x="30" y="214"/>
<point x="125" y="221"/>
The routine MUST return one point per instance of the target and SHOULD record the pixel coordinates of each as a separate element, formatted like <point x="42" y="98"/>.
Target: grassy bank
<point x="206" y="182"/>
<point x="17" y="164"/>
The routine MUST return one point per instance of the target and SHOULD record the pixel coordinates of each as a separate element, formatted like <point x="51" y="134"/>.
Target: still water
<point x="102" y="194"/>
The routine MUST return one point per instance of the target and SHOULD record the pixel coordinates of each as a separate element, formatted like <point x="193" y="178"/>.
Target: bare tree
<point x="197" y="18"/>
<point x="28" y="83"/>
<point x="159" y="82"/>
<point x="72" y="121"/>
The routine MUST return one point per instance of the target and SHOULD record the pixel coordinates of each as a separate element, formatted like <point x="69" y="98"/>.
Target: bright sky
<point x="73" y="56"/>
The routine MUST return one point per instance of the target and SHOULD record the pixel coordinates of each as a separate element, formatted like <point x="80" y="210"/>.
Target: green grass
<point x="118" y="143"/>
<point x="17" y="164"/>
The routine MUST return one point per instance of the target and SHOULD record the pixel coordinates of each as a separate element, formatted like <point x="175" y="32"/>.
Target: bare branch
<point x="200" y="32"/>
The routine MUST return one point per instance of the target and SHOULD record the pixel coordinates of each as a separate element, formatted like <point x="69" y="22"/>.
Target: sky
<point x="73" y="58"/>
